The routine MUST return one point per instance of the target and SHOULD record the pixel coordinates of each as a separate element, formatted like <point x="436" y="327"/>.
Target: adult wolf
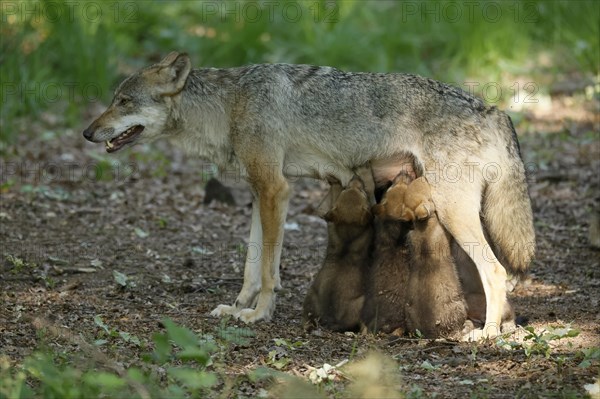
<point x="277" y="120"/>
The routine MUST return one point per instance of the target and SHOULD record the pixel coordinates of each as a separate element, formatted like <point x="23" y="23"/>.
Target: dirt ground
<point x="75" y="215"/>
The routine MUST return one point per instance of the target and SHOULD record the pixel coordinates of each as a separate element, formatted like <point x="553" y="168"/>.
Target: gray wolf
<point x="276" y="121"/>
<point x="336" y="296"/>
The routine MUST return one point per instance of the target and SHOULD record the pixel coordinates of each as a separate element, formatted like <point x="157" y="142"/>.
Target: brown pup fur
<point x="388" y="276"/>
<point x="336" y="296"/>
<point x="436" y="305"/>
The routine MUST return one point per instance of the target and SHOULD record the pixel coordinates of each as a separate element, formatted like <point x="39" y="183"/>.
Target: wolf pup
<point x="336" y="296"/>
<point x="435" y="302"/>
<point x="387" y="278"/>
<point x="275" y="121"/>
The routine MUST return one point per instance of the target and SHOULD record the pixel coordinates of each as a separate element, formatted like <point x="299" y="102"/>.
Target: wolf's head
<point x="140" y="109"/>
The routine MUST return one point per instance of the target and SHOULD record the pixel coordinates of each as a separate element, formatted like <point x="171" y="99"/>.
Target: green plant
<point x="18" y="264"/>
<point x="12" y="380"/>
<point x="185" y="357"/>
<point x="108" y="333"/>
<point x="538" y="343"/>
<point x="589" y="356"/>
<point x="123" y="280"/>
<point x="234" y="335"/>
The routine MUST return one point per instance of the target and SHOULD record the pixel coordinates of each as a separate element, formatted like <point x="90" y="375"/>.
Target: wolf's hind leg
<point x="459" y="213"/>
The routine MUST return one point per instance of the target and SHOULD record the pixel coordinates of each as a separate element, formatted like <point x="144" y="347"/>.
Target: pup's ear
<point x="377" y="209"/>
<point x="330" y="216"/>
<point x="422" y="211"/>
<point x="172" y="72"/>
<point x="366" y="217"/>
<point x="407" y="215"/>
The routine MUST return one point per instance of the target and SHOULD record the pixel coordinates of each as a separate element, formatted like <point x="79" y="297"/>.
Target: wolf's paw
<point x="480" y="334"/>
<point x="246" y="299"/>
<point x="252" y="315"/>
<point x="473" y="335"/>
<point x="508" y="326"/>
<point x="223" y="310"/>
<point x="278" y="286"/>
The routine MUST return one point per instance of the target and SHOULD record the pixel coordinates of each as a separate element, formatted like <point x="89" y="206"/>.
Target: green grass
<point x="64" y="55"/>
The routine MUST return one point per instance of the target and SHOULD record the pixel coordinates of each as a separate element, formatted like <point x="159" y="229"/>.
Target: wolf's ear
<point x="172" y="72"/>
<point x="168" y="60"/>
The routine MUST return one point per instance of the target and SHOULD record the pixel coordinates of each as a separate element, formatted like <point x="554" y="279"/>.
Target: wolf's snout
<point x="89" y="133"/>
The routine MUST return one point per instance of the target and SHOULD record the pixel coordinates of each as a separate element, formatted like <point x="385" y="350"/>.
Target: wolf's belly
<point x="319" y="166"/>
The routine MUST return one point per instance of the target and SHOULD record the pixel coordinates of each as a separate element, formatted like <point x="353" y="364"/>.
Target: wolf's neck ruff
<point x="200" y="118"/>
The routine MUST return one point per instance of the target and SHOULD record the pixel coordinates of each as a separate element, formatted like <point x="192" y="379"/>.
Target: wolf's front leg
<point x="248" y="295"/>
<point x="273" y="201"/>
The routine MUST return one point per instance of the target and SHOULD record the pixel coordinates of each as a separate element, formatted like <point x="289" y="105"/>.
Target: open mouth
<point x="126" y="137"/>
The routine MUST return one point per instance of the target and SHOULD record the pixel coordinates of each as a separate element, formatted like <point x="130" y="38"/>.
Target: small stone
<point x="215" y="190"/>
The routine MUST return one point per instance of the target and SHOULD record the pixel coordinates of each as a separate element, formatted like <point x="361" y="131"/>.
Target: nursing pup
<point x="336" y="296"/>
<point x="413" y="284"/>
<point x="435" y="301"/>
<point x="387" y="278"/>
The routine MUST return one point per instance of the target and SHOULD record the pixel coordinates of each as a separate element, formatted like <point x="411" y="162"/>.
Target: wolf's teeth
<point x="109" y="144"/>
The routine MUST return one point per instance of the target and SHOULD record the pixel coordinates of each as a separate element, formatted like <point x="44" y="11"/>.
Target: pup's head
<point x="406" y="200"/>
<point x="141" y="106"/>
<point x="418" y="204"/>
<point x="392" y="206"/>
<point x="352" y="207"/>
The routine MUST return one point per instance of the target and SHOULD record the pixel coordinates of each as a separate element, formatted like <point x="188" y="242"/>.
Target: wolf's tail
<point x="507" y="214"/>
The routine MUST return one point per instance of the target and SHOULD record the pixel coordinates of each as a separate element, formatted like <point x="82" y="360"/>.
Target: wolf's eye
<point x="123" y="100"/>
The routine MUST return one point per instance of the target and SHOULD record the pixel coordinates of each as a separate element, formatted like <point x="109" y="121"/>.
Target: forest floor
<point x="127" y="237"/>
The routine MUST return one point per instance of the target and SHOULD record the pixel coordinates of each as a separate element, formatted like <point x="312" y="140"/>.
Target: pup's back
<point x="336" y="296"/>
<point x="436" y="305"/>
